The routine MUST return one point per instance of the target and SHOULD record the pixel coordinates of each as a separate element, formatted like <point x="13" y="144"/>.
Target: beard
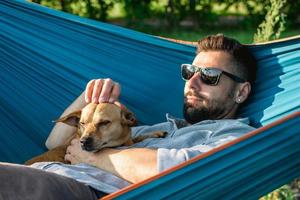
<point x="203" y="109"/>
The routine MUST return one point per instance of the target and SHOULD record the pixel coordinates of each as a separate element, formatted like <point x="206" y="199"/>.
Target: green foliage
<point x="105" y="6"/>
<point x="283" y="193"/>
<point x="286" y="192"/>
<point x="273" y="24"/>
<point x="94" y="9"/>
<point x="137" y="9"/>
<point x="197" y="11"/>
<point x="293" y="14"/>
<point x="177" y="13"/>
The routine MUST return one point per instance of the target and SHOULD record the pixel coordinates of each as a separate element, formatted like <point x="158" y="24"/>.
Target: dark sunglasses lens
<point x="210" y="76"/>
<point x="187" y="72"/>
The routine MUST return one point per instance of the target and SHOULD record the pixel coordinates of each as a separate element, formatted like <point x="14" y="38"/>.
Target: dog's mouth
<point x="93" y="148"/>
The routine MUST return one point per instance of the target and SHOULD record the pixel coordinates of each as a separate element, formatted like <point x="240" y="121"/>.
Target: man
<point x="217" y="82"/>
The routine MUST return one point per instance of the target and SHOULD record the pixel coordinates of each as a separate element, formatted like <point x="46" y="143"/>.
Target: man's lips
<point x="193" y="98"/>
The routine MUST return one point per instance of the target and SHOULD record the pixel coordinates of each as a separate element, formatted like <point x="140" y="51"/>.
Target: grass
<point x="244" y="35"/>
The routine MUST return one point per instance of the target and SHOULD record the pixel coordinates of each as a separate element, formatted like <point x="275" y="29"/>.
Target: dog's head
<point x="101" y="125"/>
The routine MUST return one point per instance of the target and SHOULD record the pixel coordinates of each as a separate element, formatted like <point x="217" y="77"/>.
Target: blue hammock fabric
<point x="47" y="57"/>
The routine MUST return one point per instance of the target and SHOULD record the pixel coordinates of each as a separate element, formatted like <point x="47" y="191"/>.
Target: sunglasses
<point x="209" y="76"/>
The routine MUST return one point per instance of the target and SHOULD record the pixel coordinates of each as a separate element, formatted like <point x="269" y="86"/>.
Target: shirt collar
<point x="179" y="123"/>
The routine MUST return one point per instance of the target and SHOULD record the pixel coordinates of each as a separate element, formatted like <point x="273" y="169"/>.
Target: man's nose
<point x="195" y="81"/>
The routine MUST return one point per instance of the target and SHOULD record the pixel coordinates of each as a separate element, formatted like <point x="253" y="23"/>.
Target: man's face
<point x="202" y="101"/>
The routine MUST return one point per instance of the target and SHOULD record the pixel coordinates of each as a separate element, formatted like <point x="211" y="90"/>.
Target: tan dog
<point x="98" y="126"/>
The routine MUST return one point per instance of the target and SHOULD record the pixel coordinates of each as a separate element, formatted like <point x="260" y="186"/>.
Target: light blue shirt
<point x="182" y="143"/>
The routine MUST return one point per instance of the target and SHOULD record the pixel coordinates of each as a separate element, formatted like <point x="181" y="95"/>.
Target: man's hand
<point x="102" y="90"/>
<point x="133" y="165"/>
<point x="76" y="155"/>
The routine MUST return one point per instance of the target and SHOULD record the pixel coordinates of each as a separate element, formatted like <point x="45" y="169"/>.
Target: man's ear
<point x="128" y="117"/>
<point x="71" y="119"/>
<point x="243" y="92"/>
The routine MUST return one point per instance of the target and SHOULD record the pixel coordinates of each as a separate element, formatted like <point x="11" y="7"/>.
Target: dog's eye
<point x="82" y="123"/>
<point x="103" y="123"/>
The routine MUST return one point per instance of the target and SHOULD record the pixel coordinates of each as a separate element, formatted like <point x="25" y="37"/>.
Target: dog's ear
<point x="71" y="119"/>
<point x="128" y="117"/>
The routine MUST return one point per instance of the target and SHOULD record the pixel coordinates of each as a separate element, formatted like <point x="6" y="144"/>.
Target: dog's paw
<point x="158" y="134"/>
<point x="161" y="134"/>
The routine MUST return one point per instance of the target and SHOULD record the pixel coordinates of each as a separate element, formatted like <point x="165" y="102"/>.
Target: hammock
<point x="47" y="57"/>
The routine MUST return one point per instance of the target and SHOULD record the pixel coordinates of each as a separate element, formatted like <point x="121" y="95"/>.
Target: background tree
<point x="274" y="22"/>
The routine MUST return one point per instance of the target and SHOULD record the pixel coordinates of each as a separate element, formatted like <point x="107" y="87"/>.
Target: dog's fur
<point x="98" y="126"/>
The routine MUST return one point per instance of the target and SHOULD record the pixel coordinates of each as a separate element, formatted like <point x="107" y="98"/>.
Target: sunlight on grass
<point x="245" y="36"/>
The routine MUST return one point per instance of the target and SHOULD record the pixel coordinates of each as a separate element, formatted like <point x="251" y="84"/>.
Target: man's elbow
<point x="49" y="144"/>
<point x="144" y="174"/>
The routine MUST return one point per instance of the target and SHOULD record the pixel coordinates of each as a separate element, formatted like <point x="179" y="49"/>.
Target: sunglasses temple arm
<point x="233" y="77"/>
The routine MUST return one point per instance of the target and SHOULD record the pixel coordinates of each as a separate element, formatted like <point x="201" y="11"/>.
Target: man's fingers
<point x="89" y="91"/>
<point x="74" y="141"/>
<point x="120" y="105"/>
<point x="116" y="90"/>
<point x="102" y="90"/>
<point x="96" y="91"/>
<point x="106" y="91"/>
<point x="71" y="159"/>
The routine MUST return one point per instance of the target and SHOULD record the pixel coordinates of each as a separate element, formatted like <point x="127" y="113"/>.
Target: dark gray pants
<point x="22" y="182"/>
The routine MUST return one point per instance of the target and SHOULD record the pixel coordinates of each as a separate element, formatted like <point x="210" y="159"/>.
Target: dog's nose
<point x="86" y="143"/>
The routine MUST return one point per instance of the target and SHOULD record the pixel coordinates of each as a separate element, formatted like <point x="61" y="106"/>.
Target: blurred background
<point x="248" y="21"/>
<point x="191" y="19"/>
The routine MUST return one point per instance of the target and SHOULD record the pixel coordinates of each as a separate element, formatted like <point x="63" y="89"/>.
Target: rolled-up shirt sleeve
<point x="167" y="158"/>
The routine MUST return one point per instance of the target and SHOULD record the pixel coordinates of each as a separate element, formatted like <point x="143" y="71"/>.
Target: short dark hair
<point x="242" y="57"/>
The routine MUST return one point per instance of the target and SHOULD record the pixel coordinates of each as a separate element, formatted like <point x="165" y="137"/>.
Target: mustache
<point x="192" y="93"/>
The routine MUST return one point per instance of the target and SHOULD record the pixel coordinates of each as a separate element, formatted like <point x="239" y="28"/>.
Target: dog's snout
<point x="86" y="143"/>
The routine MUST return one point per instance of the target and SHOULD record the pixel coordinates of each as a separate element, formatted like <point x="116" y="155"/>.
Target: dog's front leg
<point x="157" y="134"/>
<point x="55" y="155"/>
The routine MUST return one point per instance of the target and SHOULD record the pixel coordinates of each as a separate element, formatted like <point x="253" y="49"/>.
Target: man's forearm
<point x="61" y="132"/>
<point x="133" y="165"/>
